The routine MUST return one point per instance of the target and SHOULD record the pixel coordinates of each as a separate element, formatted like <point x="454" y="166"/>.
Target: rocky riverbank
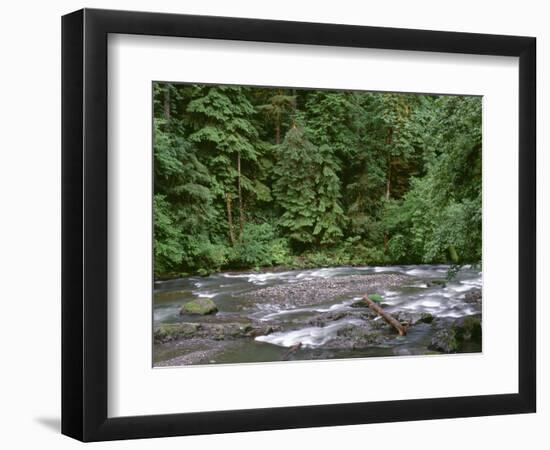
<point x="320" y="318"/>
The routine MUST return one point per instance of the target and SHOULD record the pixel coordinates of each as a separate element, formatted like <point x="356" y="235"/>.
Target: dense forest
<point x="248" y="177"/>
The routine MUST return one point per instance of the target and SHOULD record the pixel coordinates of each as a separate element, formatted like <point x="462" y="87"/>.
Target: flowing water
<point x="421" y="292"/>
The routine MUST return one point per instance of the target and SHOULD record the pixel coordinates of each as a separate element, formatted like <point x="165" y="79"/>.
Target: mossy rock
<point x="473" y="296"/>
<point x="445" y="341"/>
<point x="172" y="331"/>
<point x="359" y="304"/>
<point x="354" y="337"/>
<point x="426" y="318"/>
<point x="413" y="318"/>
<point x="452" y="337"/>
<point x="468" y="329"/>
<point x="200" y="306"/>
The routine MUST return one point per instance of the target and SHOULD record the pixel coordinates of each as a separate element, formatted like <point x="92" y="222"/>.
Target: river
<point x="293" y="300"/>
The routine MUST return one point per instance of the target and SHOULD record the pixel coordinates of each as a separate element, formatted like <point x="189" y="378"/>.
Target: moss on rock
<point x="200" y="306"/>
<point x="172" y="331"/>
<point x="452" y="336"/>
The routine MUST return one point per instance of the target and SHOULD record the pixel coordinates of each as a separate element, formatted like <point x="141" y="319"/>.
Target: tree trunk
<point x="230" y="218"/>
<point x="389" y="134"/>
<point x="388" y="195"/>
<point x="453" y="254"/>
<point x="277" y="133"/>
<point x="167" y="112"/>
<point x="241" y="209"/>
<point x="389" y="319"/>
<point x="388" y="181"/>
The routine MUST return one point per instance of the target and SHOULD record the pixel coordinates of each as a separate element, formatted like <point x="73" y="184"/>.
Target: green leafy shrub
<point x="397" y="248"/>
<point x="259" y="246"/>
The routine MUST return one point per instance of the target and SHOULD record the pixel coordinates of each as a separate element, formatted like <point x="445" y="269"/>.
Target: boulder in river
<point x="326" y="318"/>
<point x="474" y="296"/>
<point x="436" y="282"/>
<point x="212" y="331"/>
<point x="444" y="341"/>
<point x="451" y="336"/>
<point x="172" y="331"/>
<point x="200" y="306"/>
<point x="353" y="337"/>
<point x="412" y="318"/>
<point x="468" y="328"/>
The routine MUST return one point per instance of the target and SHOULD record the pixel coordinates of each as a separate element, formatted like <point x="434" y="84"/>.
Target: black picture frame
<point x="84" y="224"/>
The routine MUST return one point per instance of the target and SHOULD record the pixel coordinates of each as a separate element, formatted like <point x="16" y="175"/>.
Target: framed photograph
<point x="273" y="224"/>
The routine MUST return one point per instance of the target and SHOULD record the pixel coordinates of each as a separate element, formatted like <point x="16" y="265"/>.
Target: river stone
<point x="451" y="335"/>
<point x="468" y="328"/>
<point x="212" y="331"/>
<point x="323" y="319"/>
<point x="172" y="331"/>
<point x="354" y="337"/>
<point x="412" y="318"/>
<point x="219" y="331"/>
<point x="436" y="282"/>
<point x="191" y="351"/>
<point x="445" y="341"/>
<point x="200" y="306"/>
<point x="473" y="296"/>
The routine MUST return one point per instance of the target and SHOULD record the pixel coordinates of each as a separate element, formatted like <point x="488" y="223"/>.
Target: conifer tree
<point x="367" y="178"/>
<point x="222" y="118"/>
<point x="307" y="189"/>
<point x="182" y="201"/>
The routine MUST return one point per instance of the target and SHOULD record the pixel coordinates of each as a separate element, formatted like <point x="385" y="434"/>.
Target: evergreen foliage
<point x="252" y="177"/>
<point x="307" y="189"/>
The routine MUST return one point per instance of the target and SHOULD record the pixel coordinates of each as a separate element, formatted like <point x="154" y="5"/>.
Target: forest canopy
<point x="248" y="177"/>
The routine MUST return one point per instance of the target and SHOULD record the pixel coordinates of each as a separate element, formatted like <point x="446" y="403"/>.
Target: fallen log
<point x="389" y="319"/>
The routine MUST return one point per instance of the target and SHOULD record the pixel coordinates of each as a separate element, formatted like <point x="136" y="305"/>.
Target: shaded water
<point x="233" y="295"/>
